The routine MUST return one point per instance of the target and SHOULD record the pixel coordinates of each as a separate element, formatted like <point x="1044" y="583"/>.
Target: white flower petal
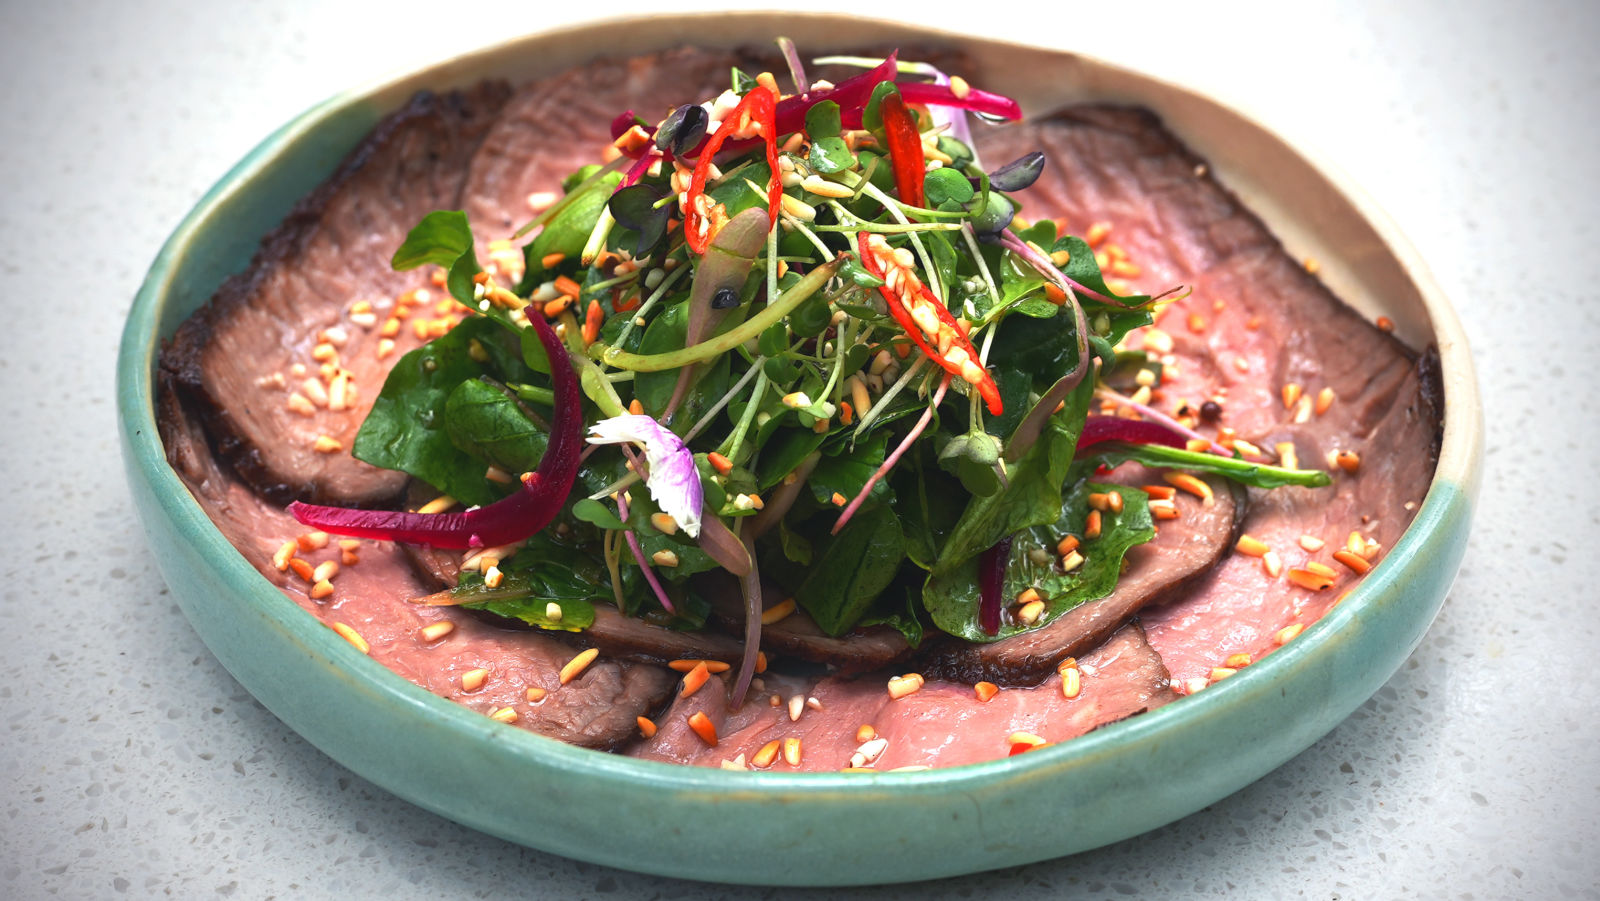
<point x="674" y="482"/>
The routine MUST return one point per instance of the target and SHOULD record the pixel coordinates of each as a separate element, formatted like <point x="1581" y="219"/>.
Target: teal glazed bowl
<point x="807" y="829"/>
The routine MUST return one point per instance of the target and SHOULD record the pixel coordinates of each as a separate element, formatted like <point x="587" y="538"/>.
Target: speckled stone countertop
<point x="132" y="764"/>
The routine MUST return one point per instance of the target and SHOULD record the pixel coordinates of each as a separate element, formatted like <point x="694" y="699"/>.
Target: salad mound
<point x="795" y="352"/>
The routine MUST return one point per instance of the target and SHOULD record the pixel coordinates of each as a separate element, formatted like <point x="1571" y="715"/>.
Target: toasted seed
<point x="684" y="666"/>
<point x="647" y="728"/>
<point x="321" y="589"/>
<point x="473" y="679"/>
<point x="900" y="686"/>
<point x="1238" y="661"/>
<point x="1291" y="393"/>
<point x="1271" y="563"/>
<point x="695" y="678"/>
<point x="768" y="753"/>
<point x="1071" y="561"/>
<point x="985" y="690"/>
<point x="1288" y="633"/>
<point x="1314" y="581"/>
<point x="1188" y="482"/>
<point x="578" y="664"/>
<point x="1091" y="528"/>
<point x="352" y="636"/>
<point x="865" y="732"/>
<point x="1251" y="546"/>
<point x="280" y="559"/>
<point x="797" y="706"/>
<point x="1324" y="401"/>
<point x="791" y="751"/>
<point x="1311" y="543"/>
<point x="505" y="715"/>
<point x="1353" y="560"/>
<point x="1067" y="545"/>
<point x="325" y="571"/>
<point x="664" y="523"/>
<point x="1071" y="682"/>
<point x="703" y="727"/>
<point x="1030" y="612"/>
<point x="777" y="612"/>
<point x="438" y="630"/>
<point x="1218" y="673"/>
<point x="302" y="569"/>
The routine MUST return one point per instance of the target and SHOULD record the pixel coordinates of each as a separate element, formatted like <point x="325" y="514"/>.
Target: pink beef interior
<point x="231" y="373"/>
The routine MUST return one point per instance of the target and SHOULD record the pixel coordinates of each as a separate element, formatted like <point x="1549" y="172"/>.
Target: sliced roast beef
<point x="371" y="596"/>
<point x="320" y="293"/>
<point x="613" y="632"/>
<point x="1257" y="328"/>
<point x="943" y="724"/>
<point x="555" y="125"/>
<point x="1184" y="551"/>
<point x="798" y="635"/>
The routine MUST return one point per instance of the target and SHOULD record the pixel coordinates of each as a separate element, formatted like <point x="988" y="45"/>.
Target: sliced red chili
<point x="761" y="108"/>
<point x="905" y="148"/>
<point x="514" y="518"/>
<point x="924" y="317"/>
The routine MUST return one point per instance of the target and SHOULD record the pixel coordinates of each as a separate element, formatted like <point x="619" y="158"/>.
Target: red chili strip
<point x="512" y="519"/>
<point x="760" y="106"/>
<point x="909" y="294"/>
<point x="905" y="148"/>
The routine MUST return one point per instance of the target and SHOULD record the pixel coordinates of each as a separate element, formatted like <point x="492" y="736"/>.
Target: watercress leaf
<point x="872" y="115"/>
<point x="846" y="473"/>
<point x="952" y="598"/>
<point x="947" y="185"/>
<point x="830" y="155"/>
<point x="783" y="452"/>
<point x="822" y="120"/>
<point x="853" y="569"/>
<point x="592" y="511"/>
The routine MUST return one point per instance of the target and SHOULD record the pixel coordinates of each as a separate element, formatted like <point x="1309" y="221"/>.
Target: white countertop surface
<point x="132" y="764"/>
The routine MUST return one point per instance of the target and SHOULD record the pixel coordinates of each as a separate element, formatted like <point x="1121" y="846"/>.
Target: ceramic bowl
<point x="808" y="828"/>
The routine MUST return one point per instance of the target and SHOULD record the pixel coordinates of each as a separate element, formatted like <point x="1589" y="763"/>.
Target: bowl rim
<point x="1458" y="467"/>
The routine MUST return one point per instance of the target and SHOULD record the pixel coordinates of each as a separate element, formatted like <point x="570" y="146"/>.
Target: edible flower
<point x="673" y="481"/>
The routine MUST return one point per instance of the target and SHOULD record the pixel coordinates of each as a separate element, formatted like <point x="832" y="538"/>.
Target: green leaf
<point x="568" y="231"/>
<point x="492" y="427"/>
<point x="822" y="120"/>
<point x="440" y="238"/>
<point x="592" y="511"/>
<point x="577" y="614"/>
<point x="406" y="429"/>
<point x="945" y="185"/>
<point x="830" y="155"/>
<point x="1031" y="497"/>
<point x="953" y="598"/>
<point x="846" y="473"/>
<point x="854" y="568"/>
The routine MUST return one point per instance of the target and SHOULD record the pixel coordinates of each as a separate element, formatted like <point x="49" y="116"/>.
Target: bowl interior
<point x="815" y="828"/>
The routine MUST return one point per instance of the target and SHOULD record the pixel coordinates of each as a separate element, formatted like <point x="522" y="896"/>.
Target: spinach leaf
<point x="846" y="473"/>
<point x="407" y="427"/>
<point x="444" y="238"/>
<point x="491" y="426"/>
<point x="1032" y="497"/>
<point x="952" y="598"/>
<point x="568" y="231"/>
<point x="1256" y="475"/>
<point x="854" y="568"/>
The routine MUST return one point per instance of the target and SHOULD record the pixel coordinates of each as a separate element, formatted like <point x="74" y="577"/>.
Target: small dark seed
<point x="724" y="299"/>
<point x="1210" y="411"/>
